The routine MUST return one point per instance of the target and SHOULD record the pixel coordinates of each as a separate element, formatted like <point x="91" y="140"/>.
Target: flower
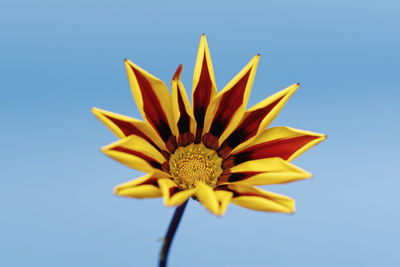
<point x="215" y="152"/>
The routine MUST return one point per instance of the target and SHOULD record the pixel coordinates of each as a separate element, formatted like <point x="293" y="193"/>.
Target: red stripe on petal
<point x="185" y="136"/>
<point x="229" y="104"/>
<point x="282" y="148"/>
<point x="151" y="181"/>
<point x="235" y="177"/>
<point x="202" y="98"/>
<point x="173" y="191"/>
<point x="185" y="139"/>
<point x="184" y="119"/>
<point x="152" y="107"/>
<point x="247" y="128"/>
<point x="250" y="194"/>
<point x="210" y="141"/>
<point x="146" y="158"/>
<point x="235" y="193"/>
<point x="129" y="129"/>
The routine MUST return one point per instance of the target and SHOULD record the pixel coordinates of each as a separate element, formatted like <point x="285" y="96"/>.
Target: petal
<point x="143" y="187"/>
<point x="204" y="88"/>
<point x="183" y="113"/>
<point x="284" y="142"/>
<point x="255" y="120"/>
<point x="227" y="108"/>
<point x="257" y="199"/>
<point x="123" y="126"/>
<point x="264" y="172"/>
<point x="173" y="196"/>
<point x="208" y="198"/>
<point x="137" y="153"/>
<point x="154" y="102"/>
<point x="224" y="197"/>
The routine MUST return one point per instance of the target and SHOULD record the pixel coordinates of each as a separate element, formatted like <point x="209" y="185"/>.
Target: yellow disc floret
<point x="194" y="163"/>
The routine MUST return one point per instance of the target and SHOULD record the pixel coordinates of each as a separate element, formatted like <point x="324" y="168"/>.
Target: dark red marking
<point x="197" y="138"/>
<point x="230" y="103"/>
<point x="178" y="72"/>
<point x="235" y="177"/>
<point x="224" y="151"/>
<point x="128" y="129"/>
<point x="210" y="141"/>
<point x="248" y="127"/>
<point x="166" y="154"/>
<point x="171" y="144"/>
<point x="185" y="139"/>
<point x="248" y="194"/>
<point x="228" y="162"/>
<point x="152" y="181"/>
<point x="202" y="98"/>
<point x="173" y="191"/>
<point x="152" y="107"/>
<point x="148" y="159"/>
<point x="165" y="167"/>
<point x="239" y="194"/>
<point x="224" y="176"/>
<point x="282" y="148"/>
<point x="184" y="118"/>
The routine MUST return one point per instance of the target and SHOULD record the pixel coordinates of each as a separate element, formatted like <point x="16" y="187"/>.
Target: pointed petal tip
<point x="203" y="41"/>
<point x="320" y="136"/>
<point x="129" y="63"/>
<point x="94" y="110"/>
<point x="116" y="190"/>
<point x="178" y="72"/>
<point x="255" y="59"/>
<point x="97" y="112"/>
<point x="292" y="88"/>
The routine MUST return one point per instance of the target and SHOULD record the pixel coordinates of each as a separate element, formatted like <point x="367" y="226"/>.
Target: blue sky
<point x="60" y="58"/>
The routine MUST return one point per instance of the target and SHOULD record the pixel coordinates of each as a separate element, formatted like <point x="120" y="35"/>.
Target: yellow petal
<point x="284" y="142"/>
<point x="183" y="113"/>
<point x="204" y="88"/>
<point x="137" y="153"/>
<point x="267" y="171"/>
<point x="153" y="100"/>
<point x="123" y="126"/>
<point x="143" y="187"/>
<point x="257" y="199"/>
<point x="207" y="197"/>
<point x="173" y="196"/>
<point x="257" y="118"/>
<point x="227" y="108"/>
<point x="203" y="54"/>
<point x="224" y="197"/>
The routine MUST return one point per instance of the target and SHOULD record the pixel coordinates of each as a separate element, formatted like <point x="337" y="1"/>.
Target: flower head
<point x="213" y="150"/>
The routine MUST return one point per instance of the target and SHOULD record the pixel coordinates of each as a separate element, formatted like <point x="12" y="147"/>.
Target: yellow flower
<point x="215" y="152"/>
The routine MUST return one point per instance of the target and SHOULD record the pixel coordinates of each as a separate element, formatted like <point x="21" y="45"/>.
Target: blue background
<point x="60" y="58"/>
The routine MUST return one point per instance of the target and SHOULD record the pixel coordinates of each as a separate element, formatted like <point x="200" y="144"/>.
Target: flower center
<point x="194" y="163"/>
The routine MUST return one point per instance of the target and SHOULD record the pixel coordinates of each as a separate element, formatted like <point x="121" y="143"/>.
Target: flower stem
<point x="170" y="233"/>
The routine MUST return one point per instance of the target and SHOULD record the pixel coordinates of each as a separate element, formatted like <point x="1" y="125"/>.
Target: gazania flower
<point x="214" y="150"/>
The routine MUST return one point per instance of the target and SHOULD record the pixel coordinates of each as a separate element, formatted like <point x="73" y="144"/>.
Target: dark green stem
<point x="170" y="233"/>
